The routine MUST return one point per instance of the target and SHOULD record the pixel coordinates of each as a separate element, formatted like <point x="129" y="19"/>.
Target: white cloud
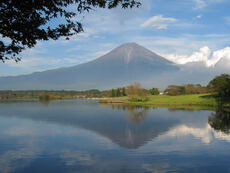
<point x="116" y="20"/>
<point x="206" y="134"/>
<point x="204" y="55"/>
<point x="35" y="64"/>
<point x="227" y="19"/>
<point x="199" y="16"/>
<point x="27" y="63"/>
<point x="85" y="35"/>
<point x="13" y="160"/>
<point x="73" y="158"/>
<point x="184" y="44"/>
<point x="200" y="4"/>
<point x="158" y="22"/>
<point x="218" y="55"/>
<point x="159" y="167"/>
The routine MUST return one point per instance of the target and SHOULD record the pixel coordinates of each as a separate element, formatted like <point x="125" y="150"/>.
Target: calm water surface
<point x="82" y="136"/>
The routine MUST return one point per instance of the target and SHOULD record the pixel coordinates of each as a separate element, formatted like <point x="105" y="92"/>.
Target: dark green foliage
<point x="154" y="91"/>
<point x="123" y="91"/>
<point x="182" y="89"/>
<point x="55" y="94"/>
<point x="118" y="92"/>
<point x="24" y="22"/>
<point x="220" y="121"/>
<point x="175" y="90"/>
<point x="113" y="93"/>
<point x="221" y="85"/>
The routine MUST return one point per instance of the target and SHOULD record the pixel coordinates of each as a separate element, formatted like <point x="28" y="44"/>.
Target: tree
<point x="175" y="90"/>
<point x="154" y="91"/>
<point x="221" y="85"/>
<point x="23" y="23"/>
<point x="118" y="93"/>
<point x="136" y="92"/>
<point x="123" y="91"/>
<point x="113" y="94"/>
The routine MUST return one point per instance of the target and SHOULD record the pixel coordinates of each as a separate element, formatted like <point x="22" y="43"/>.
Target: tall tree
<point x="221" y="85"/>
<point x="118" y="92"/>
<point x="23" y="23"/>
<point x="113" y="93"/>
<point x="154" y="91"/>
<point x="123" y="91"/>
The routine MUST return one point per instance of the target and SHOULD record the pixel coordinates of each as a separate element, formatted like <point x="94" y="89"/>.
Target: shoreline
<point x="190" y="101"/>
<point x="198" y="101"/>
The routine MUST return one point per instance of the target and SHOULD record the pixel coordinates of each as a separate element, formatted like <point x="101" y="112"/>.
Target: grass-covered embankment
<point x="113" y="100"/>
<point x="193" y="100"/>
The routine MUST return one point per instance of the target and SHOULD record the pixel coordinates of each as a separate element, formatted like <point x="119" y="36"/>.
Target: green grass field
<point x="178" y="101"/>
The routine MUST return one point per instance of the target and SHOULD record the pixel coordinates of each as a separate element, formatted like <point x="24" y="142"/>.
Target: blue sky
<point x="181" y="31"/>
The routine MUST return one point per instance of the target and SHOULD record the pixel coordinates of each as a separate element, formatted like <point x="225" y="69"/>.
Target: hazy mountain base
<point x="191" y="73"/>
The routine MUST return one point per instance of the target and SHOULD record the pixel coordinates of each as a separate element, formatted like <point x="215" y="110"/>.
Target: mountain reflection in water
<point x="83" y="136"/>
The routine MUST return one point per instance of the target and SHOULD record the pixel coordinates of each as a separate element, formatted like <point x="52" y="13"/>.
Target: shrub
<point x="136" y="93"/>
<point x="154" y="91"/>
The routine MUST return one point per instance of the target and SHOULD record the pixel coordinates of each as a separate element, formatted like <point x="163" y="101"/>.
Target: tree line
<point x="219" y="86"/>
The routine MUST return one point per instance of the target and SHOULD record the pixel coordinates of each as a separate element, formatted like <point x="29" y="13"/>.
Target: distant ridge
<point x="125" y="64"/>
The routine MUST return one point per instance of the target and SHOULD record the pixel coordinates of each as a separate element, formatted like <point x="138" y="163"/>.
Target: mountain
<point x="125" y="64"/>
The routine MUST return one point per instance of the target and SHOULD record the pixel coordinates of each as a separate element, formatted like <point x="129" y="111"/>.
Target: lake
<point x="83" y="136"/>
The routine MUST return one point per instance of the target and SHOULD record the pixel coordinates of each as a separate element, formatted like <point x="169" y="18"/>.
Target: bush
<point x="136" y="93"/>
<point x="221" y="85"/>
<point x="186" y="89"/>
<point x="154" y="91"/>
<point x="45" y="96"/>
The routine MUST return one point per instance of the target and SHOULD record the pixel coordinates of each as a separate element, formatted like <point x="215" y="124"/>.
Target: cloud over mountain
<point x="158" y="22"/>
<point x="204" y="55"/>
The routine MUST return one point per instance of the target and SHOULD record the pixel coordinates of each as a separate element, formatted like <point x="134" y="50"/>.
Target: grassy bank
<point x="194" y="100"/>
<point x="113" y="100"/>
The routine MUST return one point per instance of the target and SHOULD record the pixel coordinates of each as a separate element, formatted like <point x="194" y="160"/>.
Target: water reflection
<point x="220" y="120"/>
<point x="44" y="102"/>
<point x="136" y="115"/>
<point x="80" y="136"/>
<point x="113" y="124"/>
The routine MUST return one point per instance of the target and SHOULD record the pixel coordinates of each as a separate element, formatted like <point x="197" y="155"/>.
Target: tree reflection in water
<point x="135" y="114"/>
<point x="220" y="121"/>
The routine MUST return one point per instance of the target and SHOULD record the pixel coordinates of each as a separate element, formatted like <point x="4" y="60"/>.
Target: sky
<point x="181" y="31"/>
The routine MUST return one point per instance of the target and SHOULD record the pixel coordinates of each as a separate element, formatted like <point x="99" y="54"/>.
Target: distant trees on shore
<point x="219" y="86"/>
<point x="136" y="93"/>
<point x="186" y="89"/>
<point x="119" y="92"/>
<point x="154" y="91"/>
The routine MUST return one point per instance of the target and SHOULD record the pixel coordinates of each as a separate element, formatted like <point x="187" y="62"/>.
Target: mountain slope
<point x="123" y="65"/>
